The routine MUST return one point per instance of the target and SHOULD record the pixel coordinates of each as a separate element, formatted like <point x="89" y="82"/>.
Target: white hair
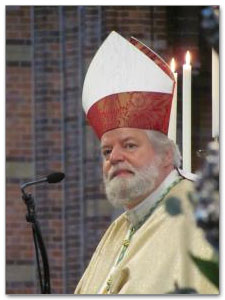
<point x="161" y="143"/>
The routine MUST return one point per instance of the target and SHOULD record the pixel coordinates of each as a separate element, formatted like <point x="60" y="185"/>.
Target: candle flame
<point x="188" y="58"/>
<point x="172" y="65"/>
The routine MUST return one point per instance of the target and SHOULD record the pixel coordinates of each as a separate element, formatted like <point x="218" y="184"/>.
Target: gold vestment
<point x="157" y="257"/>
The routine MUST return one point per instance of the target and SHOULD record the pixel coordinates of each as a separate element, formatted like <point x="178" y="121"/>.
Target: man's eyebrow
<point x="101" y="147"/>
<point x="122" y="141"/>
<point x="128" y="138"/>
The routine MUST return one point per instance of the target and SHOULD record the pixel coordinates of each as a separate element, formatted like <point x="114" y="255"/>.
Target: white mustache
<point x="120" y="167"/>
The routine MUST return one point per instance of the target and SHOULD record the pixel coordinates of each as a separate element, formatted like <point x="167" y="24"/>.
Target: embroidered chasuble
<point x="145" y="250"/>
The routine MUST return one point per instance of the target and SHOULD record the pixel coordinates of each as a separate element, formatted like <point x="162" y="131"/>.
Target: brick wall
<point x="20" y="272"/>
<point x="48" y="50"/>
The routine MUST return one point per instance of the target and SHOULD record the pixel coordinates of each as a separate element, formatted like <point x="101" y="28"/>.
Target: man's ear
<point x="168" y="158"/>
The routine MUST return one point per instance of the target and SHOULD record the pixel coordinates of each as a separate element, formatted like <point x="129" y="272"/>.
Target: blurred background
<point x="48" y="50"/>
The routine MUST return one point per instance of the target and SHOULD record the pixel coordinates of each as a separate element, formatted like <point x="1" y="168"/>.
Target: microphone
<point x="51" y="178"/>
<point x="55" y="177"/>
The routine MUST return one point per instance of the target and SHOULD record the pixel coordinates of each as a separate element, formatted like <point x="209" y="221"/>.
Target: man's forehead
<point x="121" y="134"/>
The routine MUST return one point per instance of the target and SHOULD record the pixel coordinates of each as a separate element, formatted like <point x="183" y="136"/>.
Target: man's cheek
<point x="105" y="170"/>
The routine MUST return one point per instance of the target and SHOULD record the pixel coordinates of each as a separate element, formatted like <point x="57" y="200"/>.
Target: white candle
<point x="186" y="136"/>
<point x="215" y="94"/>
<point x="172" y="132"/>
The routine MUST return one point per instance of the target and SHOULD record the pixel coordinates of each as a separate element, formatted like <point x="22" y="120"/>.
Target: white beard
<point x="121" y="191"/>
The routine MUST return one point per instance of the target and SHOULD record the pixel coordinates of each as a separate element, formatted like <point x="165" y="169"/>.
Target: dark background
<point x="48" y="50"/>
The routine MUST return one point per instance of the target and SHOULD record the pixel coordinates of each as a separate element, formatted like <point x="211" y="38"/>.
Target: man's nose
<point x="116" y="155"/>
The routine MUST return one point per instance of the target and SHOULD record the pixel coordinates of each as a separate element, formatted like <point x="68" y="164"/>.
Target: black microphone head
<point x="55" y="177"/>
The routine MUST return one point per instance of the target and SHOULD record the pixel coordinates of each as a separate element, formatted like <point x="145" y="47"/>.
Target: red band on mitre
<point x="144" y="110"/>
<point x="153" y="56"/>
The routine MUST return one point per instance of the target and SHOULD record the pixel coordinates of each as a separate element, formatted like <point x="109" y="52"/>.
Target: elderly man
<point x="127" y="97"/>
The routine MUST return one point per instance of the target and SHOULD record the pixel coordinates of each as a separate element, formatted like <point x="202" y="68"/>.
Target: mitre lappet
<point x="127" y="85"/>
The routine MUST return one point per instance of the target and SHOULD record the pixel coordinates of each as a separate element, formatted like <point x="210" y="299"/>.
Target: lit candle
<point x="172" y="132"/>
<point x="215" y="94"/>
<point x="186" y="136"/>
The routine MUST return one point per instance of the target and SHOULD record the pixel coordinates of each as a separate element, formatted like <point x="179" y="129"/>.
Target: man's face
<point x="130" y="165"/>
<point x="126" y="145"/>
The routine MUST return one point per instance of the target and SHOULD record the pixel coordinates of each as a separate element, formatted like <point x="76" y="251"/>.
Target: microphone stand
<point x="39" y="244"/>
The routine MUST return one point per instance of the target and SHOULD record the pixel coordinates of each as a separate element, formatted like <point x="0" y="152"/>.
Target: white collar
<point x="136" y="214"/>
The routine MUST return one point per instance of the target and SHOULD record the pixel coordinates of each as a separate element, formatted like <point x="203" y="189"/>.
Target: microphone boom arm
<point x="39" y="244"/>
<point x="38" y="240"/>
<point x="23" y="186"/>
